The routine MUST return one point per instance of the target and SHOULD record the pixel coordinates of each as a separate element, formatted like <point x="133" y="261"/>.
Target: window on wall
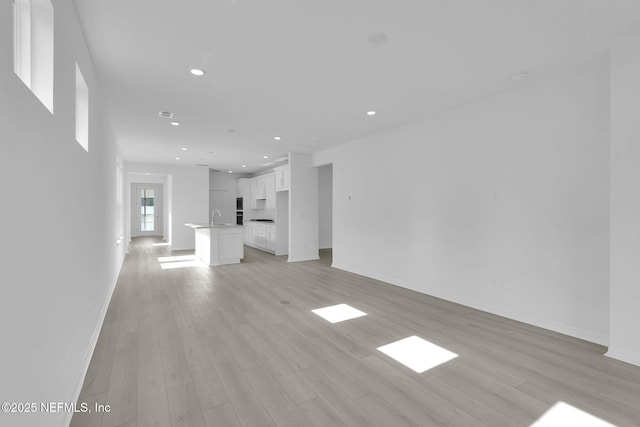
<point x="82" y="110"/>
<point x="33" y="47"/>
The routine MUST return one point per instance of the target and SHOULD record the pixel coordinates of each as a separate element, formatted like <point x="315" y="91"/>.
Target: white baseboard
<point x="541" y="323"/>
<point x="623" y="356"/>
<point x="92" y="346"/>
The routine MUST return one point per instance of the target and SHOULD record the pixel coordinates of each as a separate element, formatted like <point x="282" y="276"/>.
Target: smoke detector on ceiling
<point x="520" y="76"/>
<point x="165" y="114"/>
<point x="377" y="38"/>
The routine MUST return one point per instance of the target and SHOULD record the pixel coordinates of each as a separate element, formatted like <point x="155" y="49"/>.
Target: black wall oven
<point x="239" y="211"/>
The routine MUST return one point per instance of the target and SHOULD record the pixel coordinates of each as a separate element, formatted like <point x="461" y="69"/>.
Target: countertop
<point x="214" y="225"/>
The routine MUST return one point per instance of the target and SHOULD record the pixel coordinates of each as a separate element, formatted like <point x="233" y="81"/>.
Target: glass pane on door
<point x="147" y="216"/>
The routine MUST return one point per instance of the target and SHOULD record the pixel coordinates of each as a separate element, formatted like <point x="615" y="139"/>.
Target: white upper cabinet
<point x="283" y="178"/>
<point x="261" y="191"/>
<point x="270" y="189"/>
<point x="258" y="188"/>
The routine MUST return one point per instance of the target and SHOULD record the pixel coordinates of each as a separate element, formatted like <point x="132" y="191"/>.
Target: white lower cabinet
<point x="251" y="234"/>
<point x="271" y="238"/>
<point x="260" y="236"/>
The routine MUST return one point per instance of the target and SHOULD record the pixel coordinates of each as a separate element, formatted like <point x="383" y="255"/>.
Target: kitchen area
<point x="260" y="204"/>
<point x="285" y="210"/>
<point x="265" y="214"/>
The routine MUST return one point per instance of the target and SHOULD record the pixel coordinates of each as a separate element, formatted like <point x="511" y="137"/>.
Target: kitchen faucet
<point x="213" y="215"/>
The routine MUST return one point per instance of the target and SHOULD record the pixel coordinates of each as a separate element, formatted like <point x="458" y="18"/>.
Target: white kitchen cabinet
<point x="247" y="234"/>
<point x="255" y="192"/>
<point x="263" y="192"/>
<point x="253" y="184"/>
<point x="251" y="233"/>
<point x="283" y="178"/>
<point x="270" y="189"/>
<point x="262" y="236"/>
<point x="271" y="238"/>
<point x="218" y="244"/>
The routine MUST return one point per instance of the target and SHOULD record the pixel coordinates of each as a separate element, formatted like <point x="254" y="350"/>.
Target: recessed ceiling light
<point x="148" y="173"/>
<point x="371" y="113"/>
<point x="177" y="158"/>
<point x="175" y="123"/>
<point x="520" y="76"/>
<point x="277" y="138"/>
<point x="230" y="171"/>
<point x="265" y="157"/>
<point x="244" y="166"/>
<point x="184" y="148"/>
<point x="197" y="72"/>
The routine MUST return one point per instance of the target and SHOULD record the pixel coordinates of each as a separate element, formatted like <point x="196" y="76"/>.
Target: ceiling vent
<point x="165" y="114"/>
<point x="200" y="164"/>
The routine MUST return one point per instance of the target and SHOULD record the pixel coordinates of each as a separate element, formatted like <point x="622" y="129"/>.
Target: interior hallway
<point x="238" y="345"/>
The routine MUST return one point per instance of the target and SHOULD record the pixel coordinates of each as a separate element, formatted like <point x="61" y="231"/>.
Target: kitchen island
<point x="219" y="243"/>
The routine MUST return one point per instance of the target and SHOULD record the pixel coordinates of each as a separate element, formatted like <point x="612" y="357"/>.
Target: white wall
<point x="325" y="205"/>
<point x="625" y="202"/>
<point x="303" y="208"/>
<point x="508" y="190"/>
<point x="60" y="221"/>
<point x="224" y="181"/>
<point x="187" y="191"/>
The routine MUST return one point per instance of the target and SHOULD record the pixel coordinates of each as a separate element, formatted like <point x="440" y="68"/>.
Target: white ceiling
<point x="306" y="71"/>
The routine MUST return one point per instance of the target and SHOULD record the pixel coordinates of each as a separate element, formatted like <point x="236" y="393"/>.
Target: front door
<point x="147" y="210"/>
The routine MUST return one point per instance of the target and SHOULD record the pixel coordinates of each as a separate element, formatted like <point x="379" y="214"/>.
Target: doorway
<point x="325" y="213"/>
<point x="147" y="212"/>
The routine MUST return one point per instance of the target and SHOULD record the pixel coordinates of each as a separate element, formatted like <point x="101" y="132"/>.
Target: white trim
<point x="92" y="346"/>
<point x="623" y="356"/>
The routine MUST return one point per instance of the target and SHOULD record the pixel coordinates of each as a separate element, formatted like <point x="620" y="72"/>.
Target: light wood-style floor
<point x="219" y="346"/>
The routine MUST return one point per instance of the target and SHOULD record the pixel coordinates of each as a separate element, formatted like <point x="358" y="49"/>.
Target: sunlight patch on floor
<point x="563" y="414"/>
<point x="176" y="258"/>
<point x="181" y="264"/>
<point x="338" y="313"/>
<point x="417" y="354"/>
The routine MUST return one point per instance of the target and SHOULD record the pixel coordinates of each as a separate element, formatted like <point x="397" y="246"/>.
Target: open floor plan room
<point x="240" y="345"/>
<point x="283" y="212"/>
